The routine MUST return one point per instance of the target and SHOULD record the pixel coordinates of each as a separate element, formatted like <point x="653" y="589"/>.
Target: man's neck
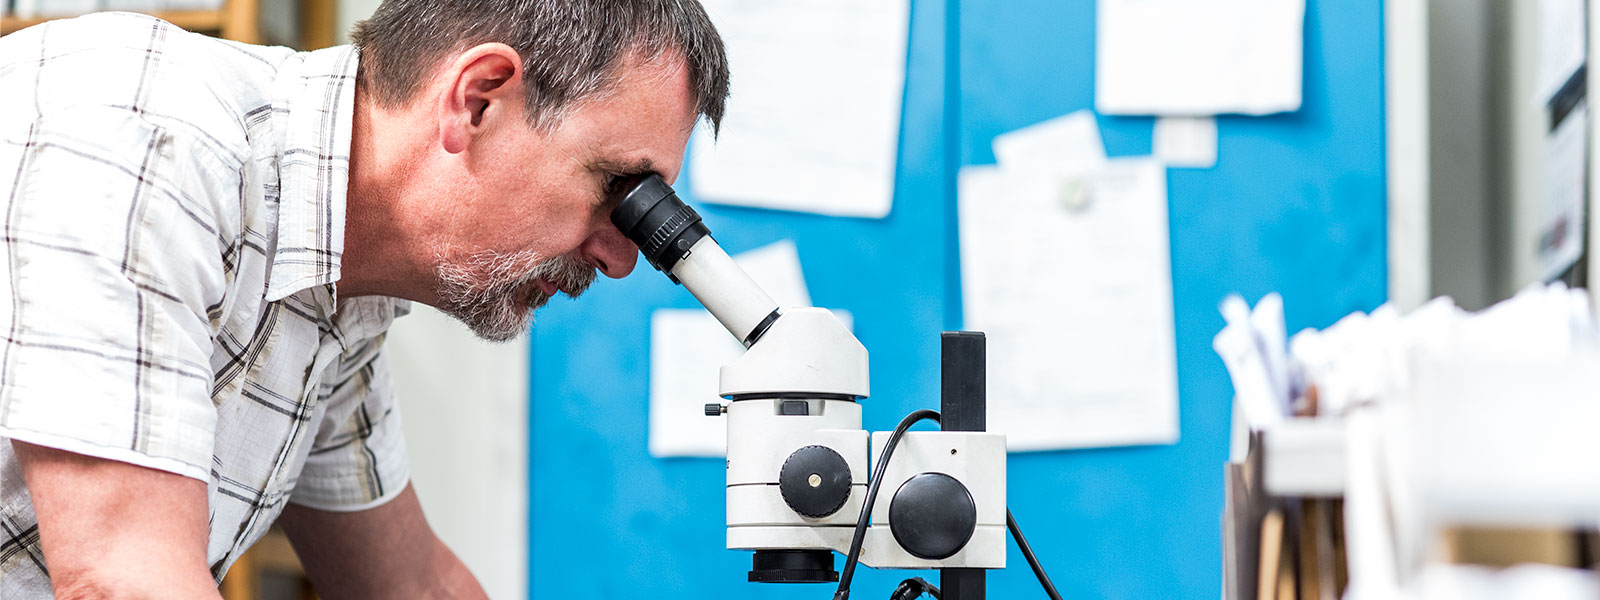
<point x="388" y="247"/>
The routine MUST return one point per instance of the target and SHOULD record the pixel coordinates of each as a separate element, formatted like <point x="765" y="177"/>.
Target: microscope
<point x="801" y="483"/>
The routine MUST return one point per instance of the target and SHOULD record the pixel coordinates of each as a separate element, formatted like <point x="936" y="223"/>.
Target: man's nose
<point x="612" y="253"/>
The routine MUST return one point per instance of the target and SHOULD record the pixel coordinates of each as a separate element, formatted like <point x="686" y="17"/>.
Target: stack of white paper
<point x="1369" y="358"/>
<point x="1522" y="582"/>
<point x="1254" y="348"/>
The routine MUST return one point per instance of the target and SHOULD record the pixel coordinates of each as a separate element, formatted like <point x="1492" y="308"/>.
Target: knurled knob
<point x="815" y="481"/>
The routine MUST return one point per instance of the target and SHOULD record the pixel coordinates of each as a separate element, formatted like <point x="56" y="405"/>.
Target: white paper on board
<point x="813" y="122"/>
<point x="1076" y="304"/>
<point x="688" y="348"/>
<point x="1562" y="46"/>
<point x="1066" y="144"/>
<point x="776" y="269"/>
<point x="1188" y="58"/>
<point x="1186" y="142"/>
<point x="1562" y="215"/>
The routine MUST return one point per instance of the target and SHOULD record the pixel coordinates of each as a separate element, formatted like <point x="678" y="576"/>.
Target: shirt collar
<point x="318" y="91"/>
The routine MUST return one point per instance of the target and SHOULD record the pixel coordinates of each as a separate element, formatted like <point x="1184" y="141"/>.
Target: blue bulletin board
<point x="1295" y="205"/>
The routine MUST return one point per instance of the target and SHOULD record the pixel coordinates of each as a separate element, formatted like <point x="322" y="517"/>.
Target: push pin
<point x="1073" y="194"/>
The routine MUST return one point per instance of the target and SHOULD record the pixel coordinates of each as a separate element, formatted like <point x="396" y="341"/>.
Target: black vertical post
<point x="962" y="407"/>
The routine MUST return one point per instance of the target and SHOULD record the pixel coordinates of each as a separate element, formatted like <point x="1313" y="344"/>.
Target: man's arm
<point x="383" y="552"/>
<point x="114" y="530"/>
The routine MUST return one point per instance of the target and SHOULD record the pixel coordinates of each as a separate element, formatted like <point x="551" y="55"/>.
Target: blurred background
<point x="1087" y="181"/>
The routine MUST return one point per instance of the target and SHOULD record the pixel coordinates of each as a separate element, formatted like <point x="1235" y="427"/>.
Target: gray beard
<point x="490" y="292"/>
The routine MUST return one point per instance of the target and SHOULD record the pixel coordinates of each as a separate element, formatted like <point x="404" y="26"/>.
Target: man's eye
<point x="615" y="183"/>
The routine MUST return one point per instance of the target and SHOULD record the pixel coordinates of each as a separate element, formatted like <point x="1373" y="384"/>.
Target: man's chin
<point x="498" y="326"/>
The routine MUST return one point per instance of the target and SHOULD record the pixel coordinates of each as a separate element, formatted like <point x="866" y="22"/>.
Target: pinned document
<point x="1077" y="305"/>
<point x="1564" y="190"/>
<point x="1186" y="142"/>
<point x="1066" y="144"/>
<point x="1562" y="45"/>
<point x="688" y="348"/>
<point x="1188" y="58"/>
<point x="814" y="120"/>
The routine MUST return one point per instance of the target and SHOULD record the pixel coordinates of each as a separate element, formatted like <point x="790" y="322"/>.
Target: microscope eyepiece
<point x="675" y="242"/>
<point x="660" y="224"/>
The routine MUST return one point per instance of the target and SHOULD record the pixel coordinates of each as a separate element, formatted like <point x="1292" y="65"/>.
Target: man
<point x="203" y="243"/>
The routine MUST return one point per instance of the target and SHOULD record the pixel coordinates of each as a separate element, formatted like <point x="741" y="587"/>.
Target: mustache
<point x="489" y="273"/>
<point x="571" y="276"/>
<point x="486" y="278"/>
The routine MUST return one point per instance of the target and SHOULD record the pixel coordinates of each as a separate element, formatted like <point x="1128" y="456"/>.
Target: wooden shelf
<point x="208" y="21"/>
<point x="236" y="20"/>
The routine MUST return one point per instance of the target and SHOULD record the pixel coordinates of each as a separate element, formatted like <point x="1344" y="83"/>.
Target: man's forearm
<point x="132" y="582"/>
<point x="450" y="578"/>
<point x="383" y="552"/>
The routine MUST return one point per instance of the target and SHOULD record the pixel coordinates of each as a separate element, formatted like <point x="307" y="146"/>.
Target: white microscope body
<point x="798" y="458"/>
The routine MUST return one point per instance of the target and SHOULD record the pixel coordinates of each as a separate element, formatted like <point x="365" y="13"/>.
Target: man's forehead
<point x="642" y="125"/>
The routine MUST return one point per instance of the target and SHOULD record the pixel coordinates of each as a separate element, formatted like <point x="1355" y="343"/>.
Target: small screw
<point x="952" y="452"/>
<point x="815" y="480"/>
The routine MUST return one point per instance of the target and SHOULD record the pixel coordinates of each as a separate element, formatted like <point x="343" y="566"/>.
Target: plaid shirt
<point x="173" y="216"/>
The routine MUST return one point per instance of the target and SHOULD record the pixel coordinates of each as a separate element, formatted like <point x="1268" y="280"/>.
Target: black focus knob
<point x="932" y="516"/>
<point x="713" y="409"/>
<point x="815" y="481"/>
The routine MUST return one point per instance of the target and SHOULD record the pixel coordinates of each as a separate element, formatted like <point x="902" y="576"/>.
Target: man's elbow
<point x="80" y="587"/>
<point x="128" y="584"/>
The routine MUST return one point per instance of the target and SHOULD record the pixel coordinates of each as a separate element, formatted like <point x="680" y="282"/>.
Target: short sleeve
<point x="358" y="458"/>
<point x="109" y="260"/>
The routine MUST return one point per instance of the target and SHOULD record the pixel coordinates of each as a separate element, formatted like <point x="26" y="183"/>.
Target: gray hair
<point x="571" y="50"/>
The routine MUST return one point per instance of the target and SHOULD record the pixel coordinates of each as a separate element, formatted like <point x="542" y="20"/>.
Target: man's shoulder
<point x="187" y="83"/>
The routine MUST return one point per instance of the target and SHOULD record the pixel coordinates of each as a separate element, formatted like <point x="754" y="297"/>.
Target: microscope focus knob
<point x="815" y="481"/>
<point x="932" y="516"/>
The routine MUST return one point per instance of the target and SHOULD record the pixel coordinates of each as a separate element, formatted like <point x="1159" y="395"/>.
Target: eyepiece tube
<point x="673" y="240"/>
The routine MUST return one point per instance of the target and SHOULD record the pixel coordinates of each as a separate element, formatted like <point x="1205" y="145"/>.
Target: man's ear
<point x="484" y="80"/>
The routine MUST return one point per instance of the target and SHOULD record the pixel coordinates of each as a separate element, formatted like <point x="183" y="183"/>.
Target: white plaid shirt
<point x="173" y="216"/>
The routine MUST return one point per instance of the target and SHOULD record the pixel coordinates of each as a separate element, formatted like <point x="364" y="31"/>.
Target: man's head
<point x="527" y="120"/>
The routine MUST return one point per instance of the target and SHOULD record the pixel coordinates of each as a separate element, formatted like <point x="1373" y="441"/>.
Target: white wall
<point x="464" y="403"/>
<point x="351" y="11"/>
<point x="1464" y="241"/>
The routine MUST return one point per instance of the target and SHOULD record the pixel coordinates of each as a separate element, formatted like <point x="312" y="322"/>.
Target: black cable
<point x="854" y="556"/>
<point x="914" y="588"/>
<point x="917" y="586"/>
<point x="1033" y="561"/>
